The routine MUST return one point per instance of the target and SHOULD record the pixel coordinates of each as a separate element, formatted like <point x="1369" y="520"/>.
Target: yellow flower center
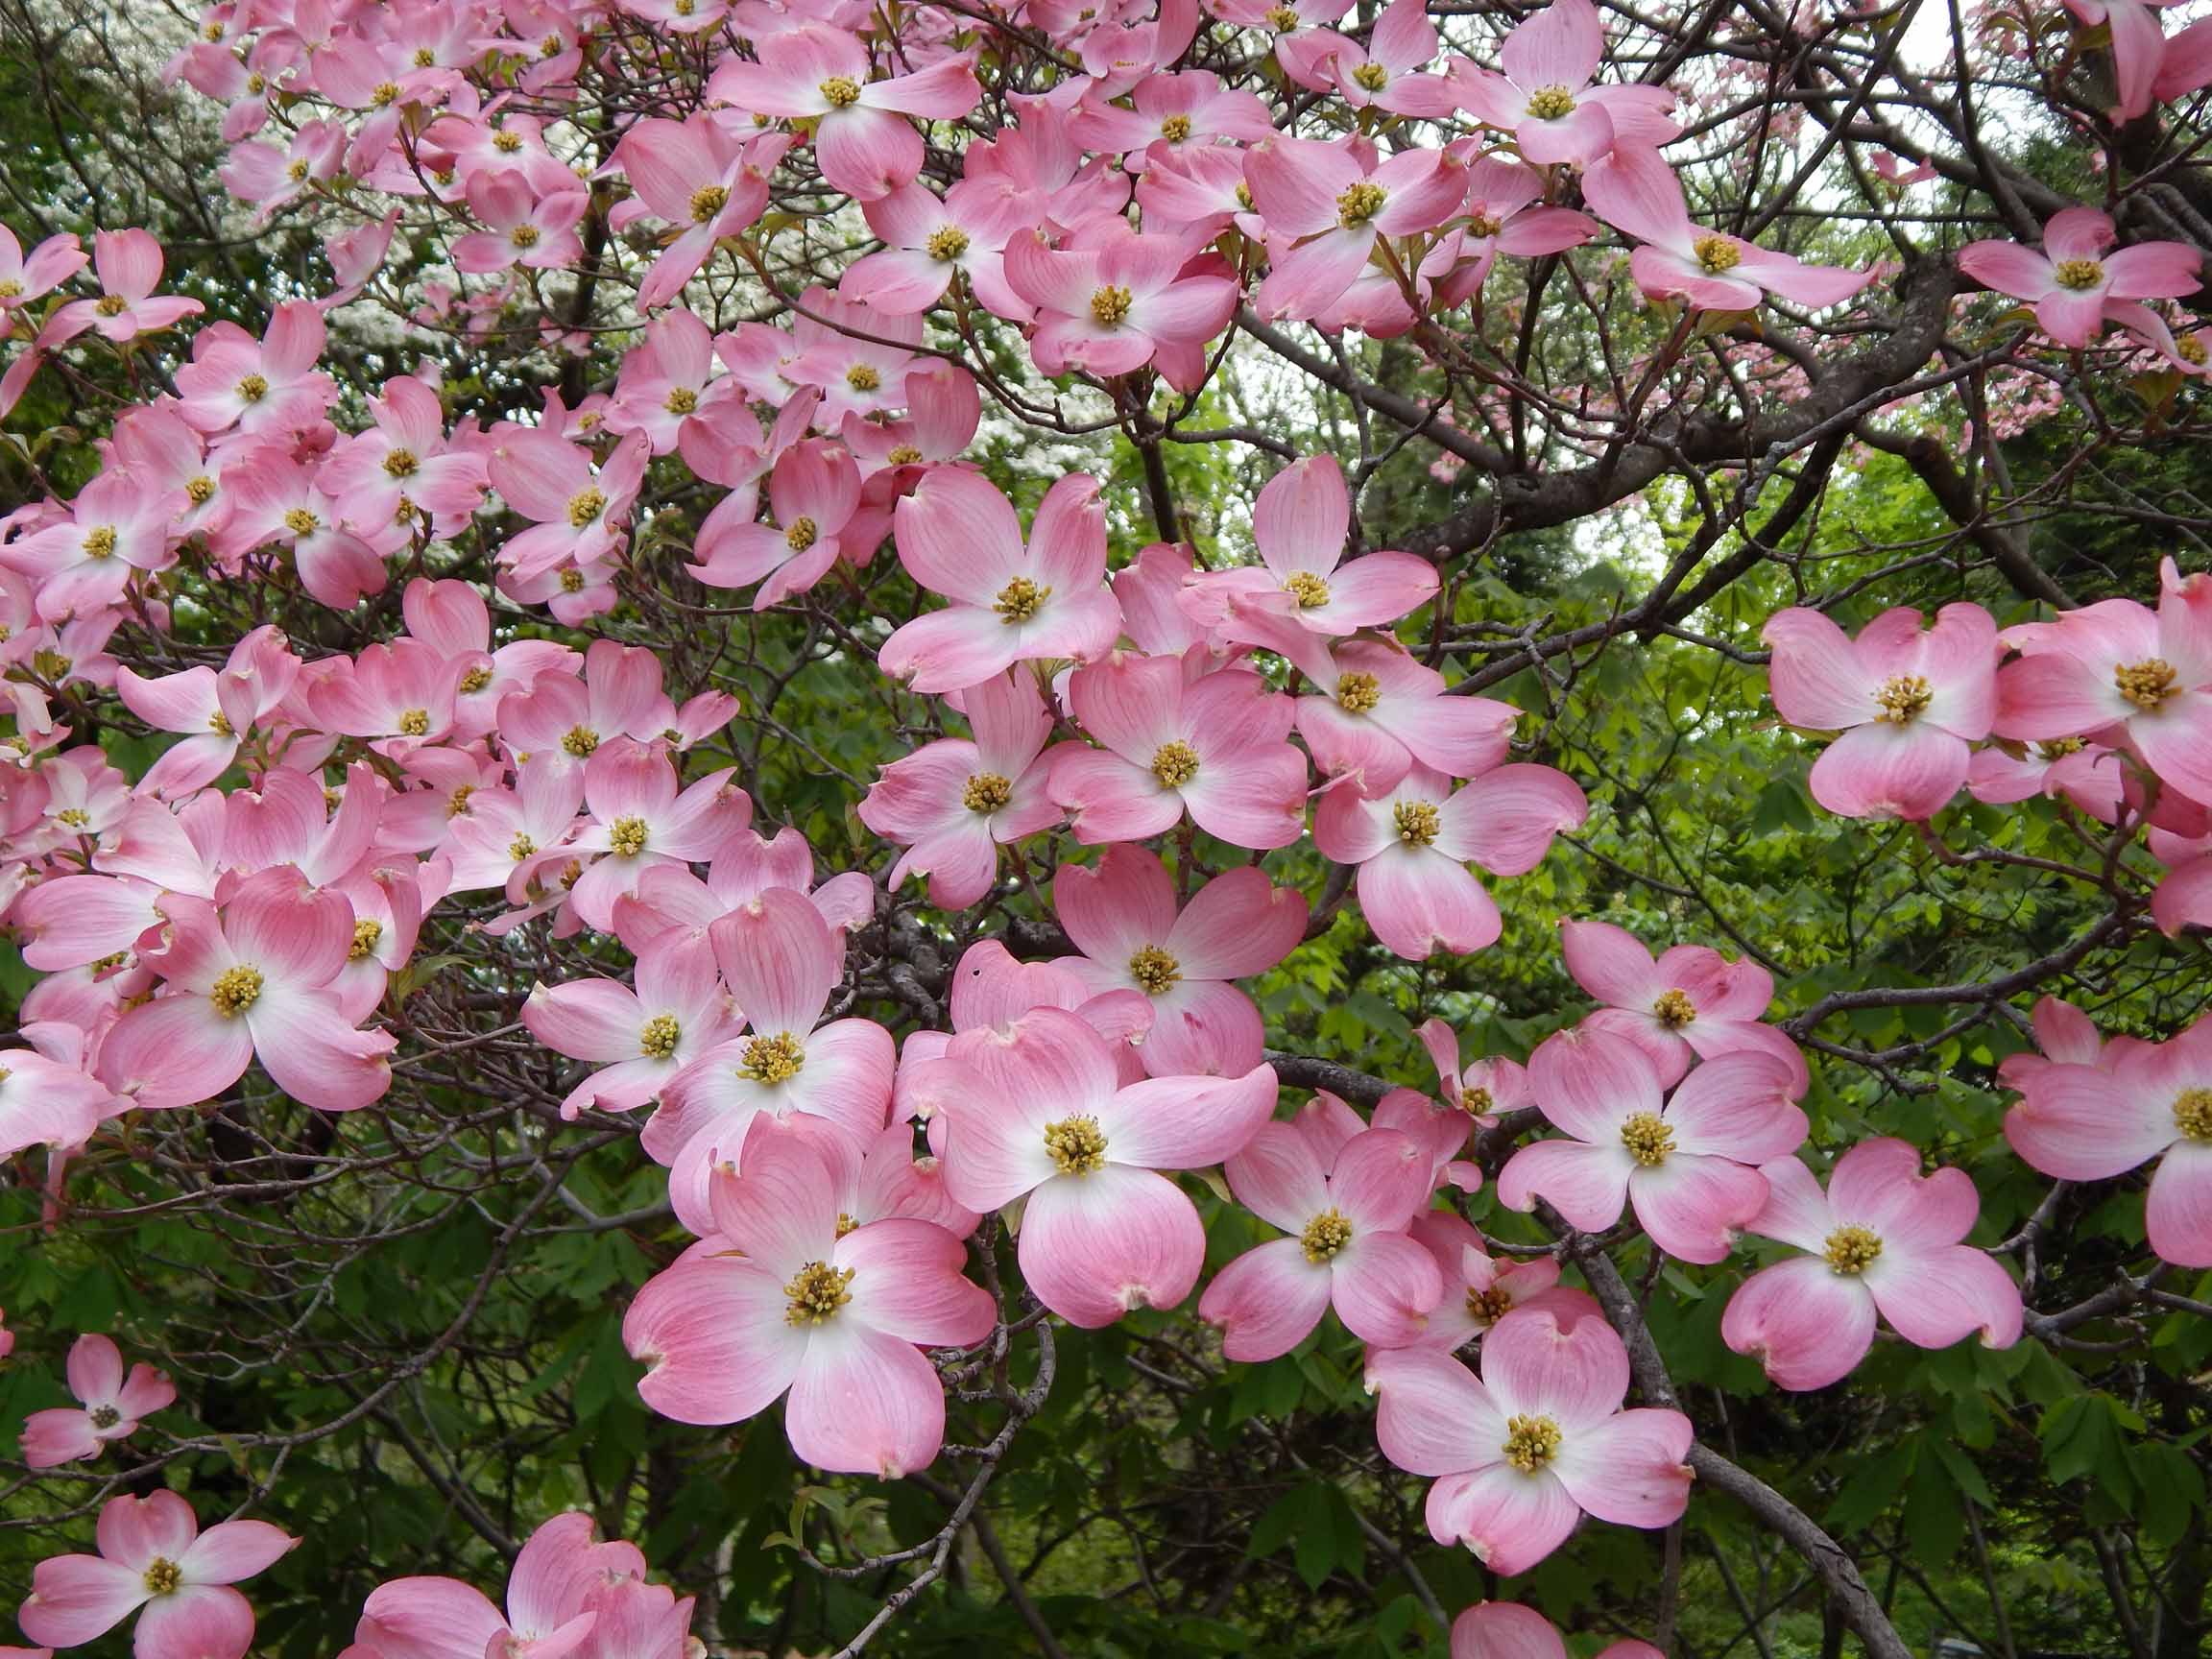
<point x="986" y="792"/>
<point x="802" y="535"/>
<point x="571" y="580"/>
<point x="164" y="1576"/>
<point x="2078" y="274"/>
<point x="100" y="542"/>
<point x="1360" y="204"/>
<point x="626" y="835"/>
<point x="681" y="400"/>
<point x="1019" y="600"/>
<point x="301" y="522"/>
<point x="1325" y="1235"/>
<point x="1904" y="698"/>
<point x="657" y="1037"/>
<point x="1531" y="1442"/>
<point x="947" y="242"/>
<point x="1174" y="763"/>
<point x="708" y="201"/>
<point x="1309" y="589"/>
<point x="298" y="170"/>
<point x="1175" y="129"/>
<point x="383" y="93"/>
<point x="474" y="681"/>
<point x="1718" y="253"/>
<point x="1673" y="1009"/>
<point x="368" y="933"/>
<point x="401" y="462"/>
<point x="2058" y="747"/>
<point x="1487" y="1307"/>
<point x="508" y="142"/>
<point x="773" y="1059"/>
<point x="1109" y="306"/>
<point x="103" y="1416"/>
<point x="841" y="91"/>
<point x="1481" y="226"/>
<point x="111" y="305"/>
<point x="1551" y="103"/>
<point x="816" y="1293"/>
<point x="2193" y="1114"/>
<point x="2191" y="350"/>
<point x="1373" y="77"/>
<point x="219" y="723"/>
<point x="1077" y="1144"/>
<point x="1358" y="693"/>
<point x="581" y="741"/>
<point x="1154" y="970"/>
<point x="1283" y="20"/>
<point x="904" y="455"/>
<point x="520" y="847"/>
<point x="414" y="723"/>
<point x="1417" y="823"/>
<point x="75" y="817"/>
<point x="10" y="288"/>
<point x="586" y="505"/>
<point x="1852" y="1250"/>
<point x="457" y="802"/>
<point x="199" y="490"/>
<point x="523" y="236"/>
<point x="1647" y="1138"/>
<point x="845" y="1224"/>
<point x="2147" y="684"/>
<point x="236" y="990"/>
<point x="1245" y="196"/>
<point x="863" y="377"/>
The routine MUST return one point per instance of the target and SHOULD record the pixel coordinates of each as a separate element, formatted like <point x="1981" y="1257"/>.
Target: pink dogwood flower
<point x="1504" y="216"/>
<point x="640" y="1038"/>
<point x="959" y="536"/>
<point x="552" y="1609"/>
<point x="1882" y="1239"/>
<point x="641" y="818"/>
<point x="579" y="510"/>
<point x="1413" y="843"/>
<point x="1507" y="1630"/>
<point x="1520" y="1456"/>
<point x="699" y="177"/>
<point x="1388" y="72"/>
<point x="1545" y="98"/>
<point x="116" y="529"/>
<point x="1908" y="702"/>
<point x="2095" y="1114"/>
<point x="813" y="496"/>
<point x="109" y="1404"/>
<point x="1123" y="916"/>
<point x="1479" y="1288"/>
<point x="2116" y="671"/>
<point x="782" y="960"/>
<point x="1689" y="1166"/>
<point x="1300" y="521"/>
<point x="128" y="263"/>
<point x="1325" y="203"/>
<point x="263" y="388"/>
<point x="50" y="1101"/>
<point x="524" y="225"/>
<point x="2077" y="277"/>
<point x="252" y="981"/>
<point x="928" y="240"/>
<point x="25" y="277"/>
<point x="1634" y="190"/>
<point x="1112" y="305"/>
<point x="1691" y="1002"/>
<point x="1038" y="1113"/>
<point x="862" y="141"/>
<point x="1348" y="1245"/>
<point x="952" y="804"/>
<point x="1215" y="749"/>
<point x="794" y="1303"/>
<point x="153" y="1556"/>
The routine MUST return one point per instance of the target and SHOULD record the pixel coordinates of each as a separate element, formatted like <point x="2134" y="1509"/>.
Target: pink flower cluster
<point x="2108" y="707"/>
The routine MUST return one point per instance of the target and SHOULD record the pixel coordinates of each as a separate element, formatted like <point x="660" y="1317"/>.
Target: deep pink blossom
<point x="129" y="264"/>
<point x="1545" y="98"/>
<point x="1325" y="203"/>
<point x="2078" y="275"/>
<point x="1882" y="1239"/>
<point x="1480" y="1289"/>
<point x="813" y="496"/>
<point x="1122" y="915"/>
<point x="1413" y="843"/>
<point x="1690" y="1166"/>
<point x="697" y="176"/>
<point x="795" y="1303"/>
<point x="2091" y="1115"/>
<point x="1215" y="749"/>
<point x="952" y="804"/>
<point x="1691" y="1002"/>
<point x="1521" y="1454"/>
<point x="1011" y="603"/>
<point x="1908" y="701"/>
<point x="1507" y="1630"/>
<point x="109" y="1405"/>
<point x="1633" y="190"/>
<point x="1038" y="1112"/>
<point x="1348" y="1245"/>
<point x="2115" y="671"/>
<point x="153" y="1556"/>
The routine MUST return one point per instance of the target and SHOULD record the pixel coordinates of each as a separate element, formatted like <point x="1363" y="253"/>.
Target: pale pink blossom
<point x="109" y="1405"/>
<point x="1692" y="1002"/>
<point x="2077" y="277"/>
<point x="1521" y="1454"/>
<point x="1546" y="98"/>
<point x="1507" y="1630"/>
<point x="1882" y="1239"/>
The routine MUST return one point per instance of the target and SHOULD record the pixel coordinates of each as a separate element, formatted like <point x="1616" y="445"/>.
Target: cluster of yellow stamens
<point x="1903" y="698"/>
<point x="1154" y="970"/>
<point x="1309" y="589"/>
<point x="1531" y="1442"/>
<point x="776" y="1058"/>
<point x="2146" y="684"/>
<point x="367" y="934"/>
<point x="947" y="242"/>
<point x="800" y="534"/>
<point x="1109" y="307"/>
<point x="1360" y="204"/>
<point x="236" y="990"/>
<point x="1174" y="763"/>
<point x="1077" y="1145"/>
<point x="986" y="792"/>
<point x="1673" y="1009"/>
<point x="1647" y="1138"/>
<point x="626" y="835"/>
<point x="816" y="1291"/>
<point x="2077" y="275"/>
<point x="1416" y="822"/>
<point x="1325" y="1235"/>
<point x="1019" y="600"/>
<point x="1358" y="693"/>
<point x="657" y="1037"/>
<point x="2193" y="1114"/>
<point x="1852" y="1250"/>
